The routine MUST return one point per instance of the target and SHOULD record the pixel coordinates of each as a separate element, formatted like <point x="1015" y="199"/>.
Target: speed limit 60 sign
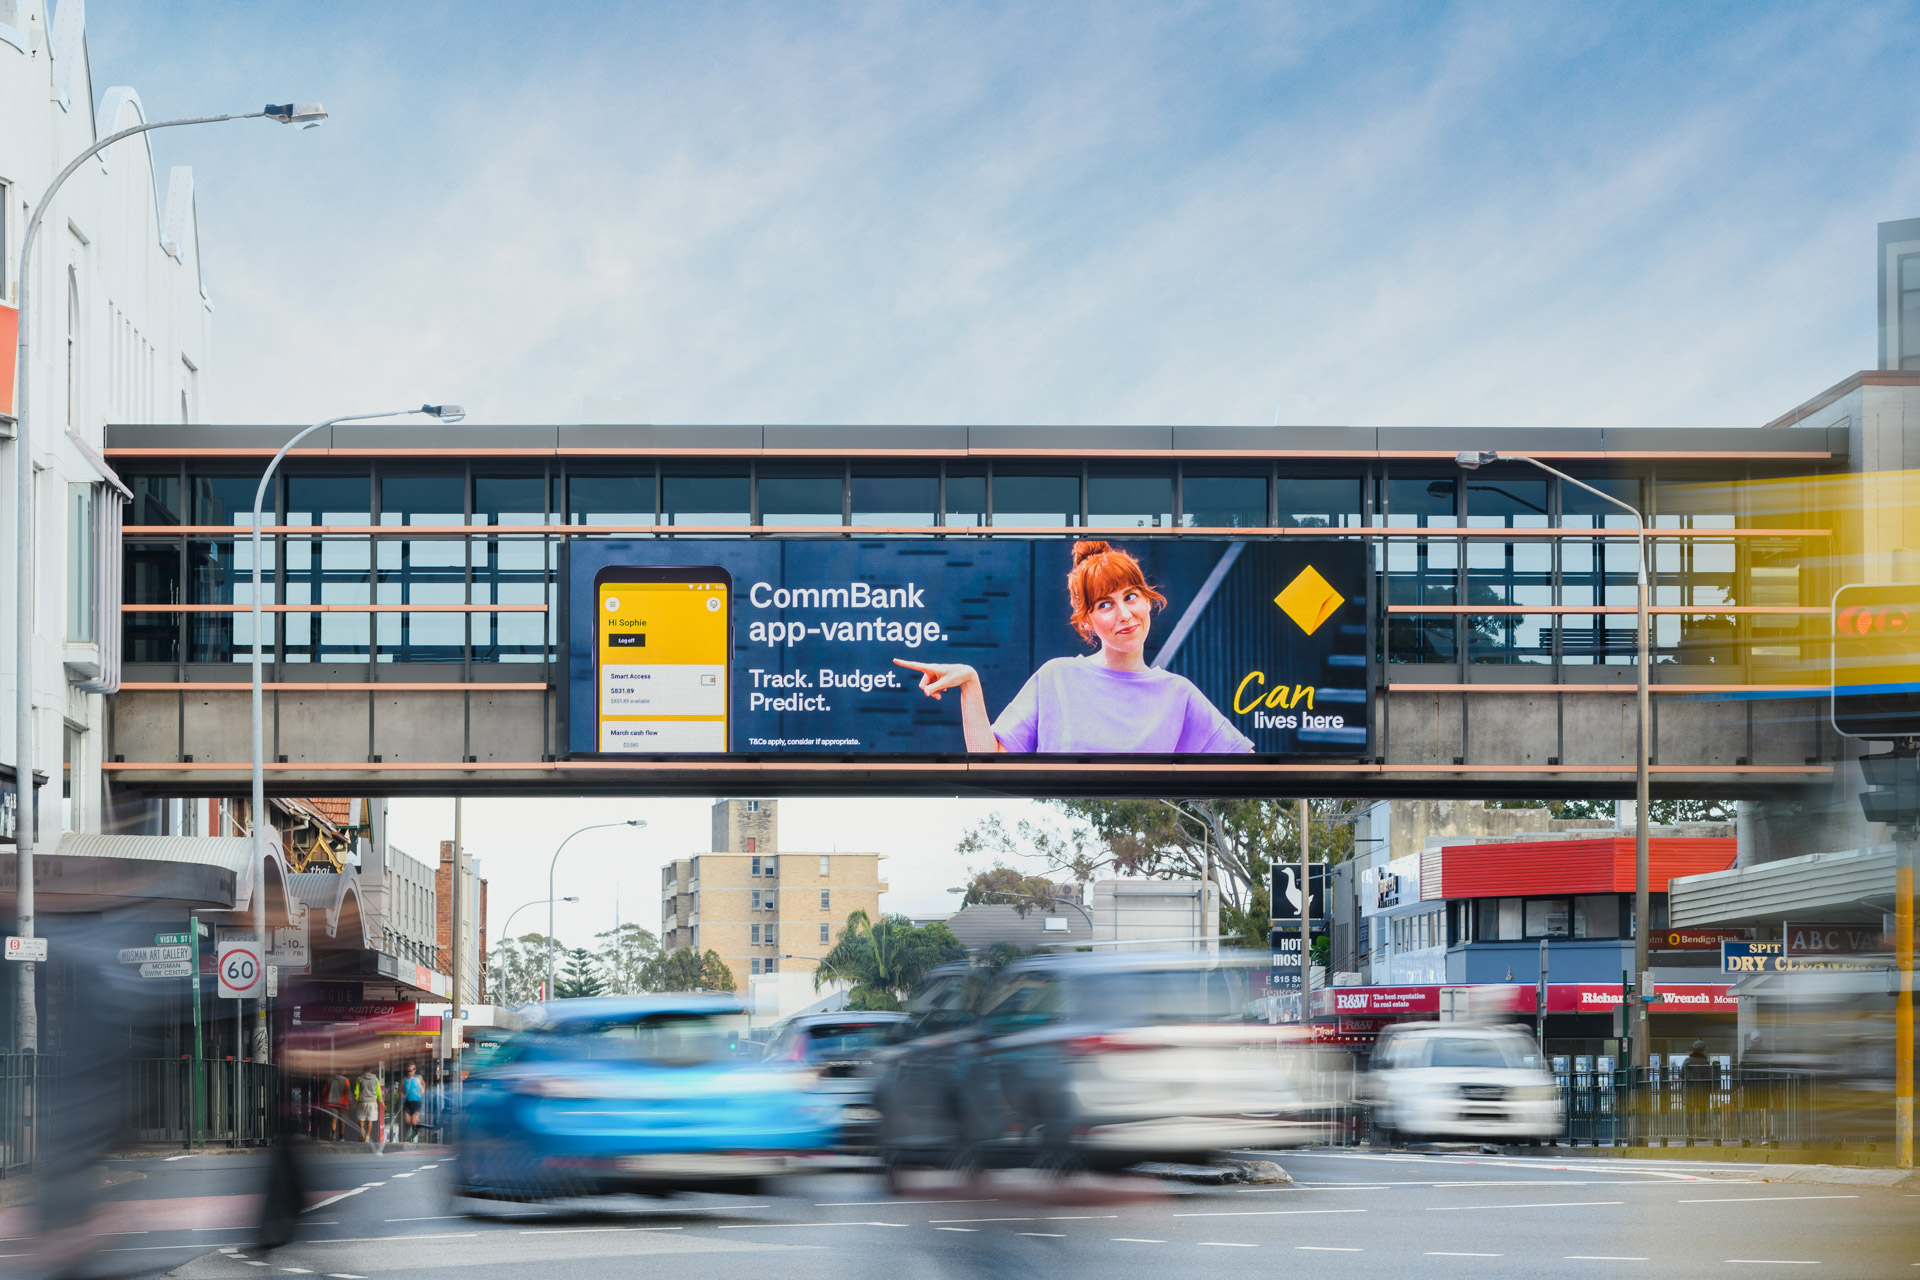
<point x="243" y="975"/>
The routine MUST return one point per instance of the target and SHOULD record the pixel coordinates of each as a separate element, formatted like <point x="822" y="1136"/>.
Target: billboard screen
<point x="938" y="648"/>
<point x="1876" y="661"/>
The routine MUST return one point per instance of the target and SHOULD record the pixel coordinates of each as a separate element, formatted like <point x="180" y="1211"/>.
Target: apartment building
<point x="762" y="910"/>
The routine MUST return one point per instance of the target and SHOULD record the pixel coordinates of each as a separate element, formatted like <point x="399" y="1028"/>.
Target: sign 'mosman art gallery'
<point x="938" y="648"/>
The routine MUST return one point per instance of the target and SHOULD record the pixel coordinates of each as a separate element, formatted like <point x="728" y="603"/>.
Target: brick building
<point x="473" y="978"/>
<point x="761" y="910"/>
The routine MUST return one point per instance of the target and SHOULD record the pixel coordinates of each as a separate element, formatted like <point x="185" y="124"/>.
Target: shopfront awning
<point x="1856" y="885"/>
<point x="152" y="874"/>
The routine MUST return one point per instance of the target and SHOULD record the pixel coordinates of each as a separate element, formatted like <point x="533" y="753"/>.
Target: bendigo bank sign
<point x="1157" y="648"/>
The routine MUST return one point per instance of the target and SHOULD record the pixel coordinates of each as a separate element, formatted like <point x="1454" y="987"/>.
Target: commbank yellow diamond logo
<point x="1309" y="600"/>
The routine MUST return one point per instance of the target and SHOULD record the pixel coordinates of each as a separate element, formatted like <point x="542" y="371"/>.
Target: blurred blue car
<point x="650" y="1094"/>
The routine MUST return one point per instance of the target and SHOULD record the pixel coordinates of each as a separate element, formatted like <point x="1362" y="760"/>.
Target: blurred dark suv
<point x="840" y="1047"/>
<point x="1085" y="1061"/>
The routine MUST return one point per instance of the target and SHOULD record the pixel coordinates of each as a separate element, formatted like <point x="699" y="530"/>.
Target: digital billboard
<point x="1156" y="648"/>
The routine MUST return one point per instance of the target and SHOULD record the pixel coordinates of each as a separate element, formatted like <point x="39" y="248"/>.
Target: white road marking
<point x="405" y="1175"/>
<point x="1600" y="1257"/>
<point x="1078" y="1217"/>
<point x="772" y="1226"/>
<point x="578" y="1231"/>
<point x="1227" y="1244"/>
<point x="1743" y="1199"/>
<point x="1553" y="1204"/>
<point x="1442" y="1253"/>
<point x="436" y="1235"/>
<point x="968" y="1230"/>
<point x="1325" y="1248"/>
<point x="850" y="1204"/>
<point x="298" y="1271"/>
<point x="1029" y="1218"/>
<point x="343" y="1275"/>
<point x="1259" y="1213"/>
<point x="1133" y="1240"/>
<point x="171" y="1159"/>
<point x="321" y="1204"/>
<point x="438" y="1217"/>
<point x="1775" y="1262"/>
<point x="1055" y="1235"/>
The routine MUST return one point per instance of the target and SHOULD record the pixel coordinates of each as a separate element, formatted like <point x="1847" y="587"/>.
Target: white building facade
<point x="122" y="331"/>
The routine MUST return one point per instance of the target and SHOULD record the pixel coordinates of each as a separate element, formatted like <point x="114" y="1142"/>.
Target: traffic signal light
<point x="1893" y="782"/>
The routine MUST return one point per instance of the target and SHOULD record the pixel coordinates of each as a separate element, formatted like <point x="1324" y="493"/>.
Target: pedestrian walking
<point x="367" y="1089"/>
<point x="413" y="1093"/>
<point x="1696" y="1083"/>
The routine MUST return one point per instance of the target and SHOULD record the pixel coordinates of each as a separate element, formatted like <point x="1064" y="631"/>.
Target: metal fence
<point x="29" y="1089"/>
<point x="177" y="1100"/>
<point x="1737" y="1107"/>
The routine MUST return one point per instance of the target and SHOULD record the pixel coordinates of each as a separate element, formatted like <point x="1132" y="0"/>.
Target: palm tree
<point x="885" y="961"/>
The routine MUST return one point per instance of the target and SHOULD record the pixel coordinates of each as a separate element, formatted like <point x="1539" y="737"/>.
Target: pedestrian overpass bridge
<point x="413" y="600"/>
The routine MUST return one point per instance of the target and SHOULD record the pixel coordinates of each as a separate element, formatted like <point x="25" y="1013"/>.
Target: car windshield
<point x="677" y="1039"/>
<point x="1147" y="997"/>
<point x="1480" y="1051"/>
<point x="840" y="1039"/>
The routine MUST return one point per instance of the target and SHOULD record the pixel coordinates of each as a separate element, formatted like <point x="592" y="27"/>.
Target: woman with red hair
<point x="1106" y="701"/>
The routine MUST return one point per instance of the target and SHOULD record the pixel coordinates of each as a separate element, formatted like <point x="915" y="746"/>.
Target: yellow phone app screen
<point x="663" y="666"/>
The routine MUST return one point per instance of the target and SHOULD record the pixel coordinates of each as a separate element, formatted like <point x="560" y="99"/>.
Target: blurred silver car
<point x="1460" y="1080"/>
<point x="1094" y="1061"/>
<point x="840" y="1047"/>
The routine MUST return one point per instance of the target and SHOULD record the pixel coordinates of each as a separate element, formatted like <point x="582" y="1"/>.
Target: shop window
<point x="1549" y="918"/>
<point x="1223" y="502"/>
<point x="1596" y="915"/>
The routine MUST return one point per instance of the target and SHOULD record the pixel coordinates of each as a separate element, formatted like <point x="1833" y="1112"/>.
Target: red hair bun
<point x="1098" y="571"/>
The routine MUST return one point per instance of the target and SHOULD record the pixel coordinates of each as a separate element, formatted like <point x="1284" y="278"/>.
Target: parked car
<point x="840" y="1047"/>
<point x="1465" y="1081"/>
<point x="648" y="1094"/>
<point x="1084" y="1061"/>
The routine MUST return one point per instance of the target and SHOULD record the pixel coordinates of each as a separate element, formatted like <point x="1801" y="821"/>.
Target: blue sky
<point x="1488" y="214"/>
<point x="1494" y="213"/>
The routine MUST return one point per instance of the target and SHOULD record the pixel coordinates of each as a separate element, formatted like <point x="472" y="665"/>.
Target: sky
<point x="1370" y="214"/>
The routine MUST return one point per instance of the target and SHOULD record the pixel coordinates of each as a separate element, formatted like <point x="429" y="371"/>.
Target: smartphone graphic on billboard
<point x="664" y="638"/>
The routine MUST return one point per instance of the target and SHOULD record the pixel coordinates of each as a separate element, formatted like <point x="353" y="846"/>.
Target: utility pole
<point x="1306" y="912"/>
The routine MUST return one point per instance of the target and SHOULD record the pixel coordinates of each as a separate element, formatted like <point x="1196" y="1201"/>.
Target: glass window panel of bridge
<point x="324" y="569"/>
<point x="1508" y="573"/>
<point x="610" y="499"/>
<point x="706" y="498"/>
<point x="1130" y="500"/>
<point x="1029" y="499"/>
<point x="801" y="499"/>
<point x="1695" y="572"/>
<point x="1219" y="501"/>
<point x="1599" y="572"/>
<point x="509" y="569"/>
<point x="1321" y="502"/>
<point x="151" y="576"/>
<point x="157" y="500"/>
<point x="1422" y="572"/>
<point x="226" y="500"/>
<point x="421" y="571"/>
<point x="894" y="499"/>
<point x="220" y="572"/>
<point x="966" y="497"/>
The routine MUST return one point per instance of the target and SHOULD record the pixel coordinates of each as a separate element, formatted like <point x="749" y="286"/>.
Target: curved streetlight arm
<point x="1046" y="902"/>
<point x="506" y="930"/>
<point x="552" y="865"/>
<point x="27" y="1038"/>
<point x="1643" y="756"/>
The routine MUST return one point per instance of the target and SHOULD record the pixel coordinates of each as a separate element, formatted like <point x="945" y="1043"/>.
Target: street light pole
<point x="1644" y="654"/>
<point x="27" y="1014"/>
<point x="447" y="413"/>
<point x="630" y="822"/>
<point x="537" y="902"/>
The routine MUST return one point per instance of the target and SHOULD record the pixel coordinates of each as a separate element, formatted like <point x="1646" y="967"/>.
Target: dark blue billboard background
<point x="816" y="626"/>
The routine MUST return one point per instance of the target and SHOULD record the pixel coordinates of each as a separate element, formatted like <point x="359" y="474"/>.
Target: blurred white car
<point x="1454" y="1080"/>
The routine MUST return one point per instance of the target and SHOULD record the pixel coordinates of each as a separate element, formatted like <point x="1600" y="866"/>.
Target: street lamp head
<point x="448" y="413"/>
<point x="571" y="898"/>
<point x="956" y="889"/>
<point x="636" y="822"/>
<point x="1473" y="459"/>
<point x="307" y="114"/>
